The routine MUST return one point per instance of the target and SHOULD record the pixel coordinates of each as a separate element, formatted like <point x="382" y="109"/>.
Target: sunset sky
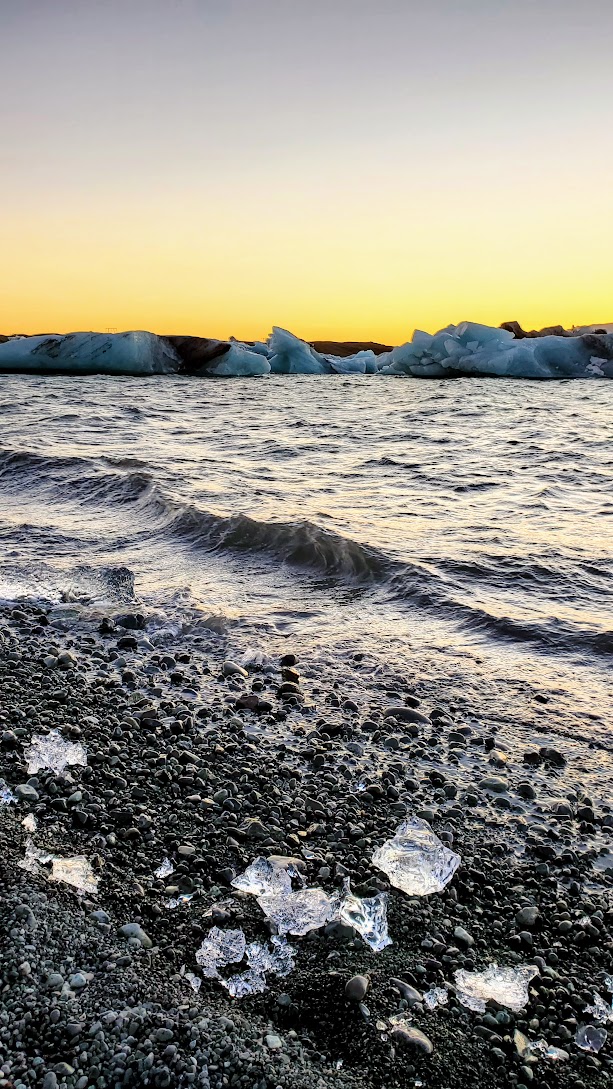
<point x="343" y="168"/>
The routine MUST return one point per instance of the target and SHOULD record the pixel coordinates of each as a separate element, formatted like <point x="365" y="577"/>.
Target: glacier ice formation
<point x="465" y="349"/>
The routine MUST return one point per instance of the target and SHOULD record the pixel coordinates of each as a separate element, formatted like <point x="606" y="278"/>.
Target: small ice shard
<point x="219" y="948"/>
<point x="506" y="986"/>
<point x="29" y="823"/>
<point x="293" y="912"/>
<point x="194" y="981"/>
<point x="532" y="1050"/>
<point x="75" y="871"/>
<point x="590" y="1037"/>
<point x="436" y="996"/>
<point x="601" y="1011"/>
<point x="6" y="794"/>
<point x="245" y="983"/>
<point x="368" y="916"/>
<point x="176" y="901"/>
<point x="608" y="983"/>
<point x="264" y="877"/>
<point x="415" y="860"/>
<point x="34" y="858"/>
<point x="298" y="912"/>
<point x="53" y="752"/>
<point x="164" y="869"/>
<point x="279" y="961"/>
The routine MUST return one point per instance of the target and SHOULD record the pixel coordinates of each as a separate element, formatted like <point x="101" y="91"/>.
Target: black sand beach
<point x="258" y="765"/>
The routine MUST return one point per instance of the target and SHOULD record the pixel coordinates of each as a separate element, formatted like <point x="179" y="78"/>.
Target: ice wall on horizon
<point x="464" y="349"/>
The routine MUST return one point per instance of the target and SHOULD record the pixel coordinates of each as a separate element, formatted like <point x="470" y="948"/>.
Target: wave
<point x="439" y="586"/>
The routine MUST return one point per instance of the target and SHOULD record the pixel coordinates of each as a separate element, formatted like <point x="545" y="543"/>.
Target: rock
<point x="409" y="993"/>
<point x="406" y="714"/>
<point x="494" y="784"/>
<point x="356" y="988"/>
<point x="66" y="660"/>
<point x="135" y="930"/>
<point x="273" y="1042"/>
<point x="463" y="937"/>
<point x="26" y="793"/>
<point x="527" y="917"/>
<point x="408" y="1036"/>
<point x="232" y="669"/>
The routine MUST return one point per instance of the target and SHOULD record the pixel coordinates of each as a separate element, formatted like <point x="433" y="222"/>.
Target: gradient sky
<point x="344" y="168"/>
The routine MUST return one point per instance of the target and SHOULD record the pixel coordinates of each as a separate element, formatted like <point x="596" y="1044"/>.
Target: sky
<point x="347" y="169"/>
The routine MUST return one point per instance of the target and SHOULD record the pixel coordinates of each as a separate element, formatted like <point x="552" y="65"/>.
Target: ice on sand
<point x="164" y="869"/>
<point x="533" y="1050"/>
<point x="368" y="916"/>
<point x="293" y="912"/>
<point x="6" y="794"/>
<point x="299" y="911"/>
<point x="506" y="986"/>
<point x="590" y="1038"/>
<point x="415" y="860"/>
<point x="435" y="997"/>
<point x="76" y="871"/>
<point x="219" y="948"/>
<point x="51" y="751"/>
<point x="601" y="1011"/>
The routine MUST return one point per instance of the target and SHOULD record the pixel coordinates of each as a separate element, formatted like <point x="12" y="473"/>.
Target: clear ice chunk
<point x="436" y="996"/>
<point x="608" y="983"/>
<point x="415" y="860"/>
<point x="532" y="1050"/>
<point x="279" y="960"/>
<point x="264" y="877"/>
<point x="368" y="916"/>
<point x="164" y="869"/>
<point x="506" y="986"/>
<point x="194" y="981"/>
<point x="52" y="751"/>
<point x="219" y="948"/>
<point x="6" y="794"/>
<point x="298" y="912"/>
<point x="245" y="983"/>
<point x="601" y="1011"/>
<point x="590" y="1038"/>
<point x="29" y="823"/>
<point x="76" y="871"/>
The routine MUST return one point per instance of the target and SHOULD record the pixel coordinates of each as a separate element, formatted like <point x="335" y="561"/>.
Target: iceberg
<point x="469" y="348"/>
<point x="415" y="860"/>
<point x="290" y="355"/>
<point x="133" y="353"/>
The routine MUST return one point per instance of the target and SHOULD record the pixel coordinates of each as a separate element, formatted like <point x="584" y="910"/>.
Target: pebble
<point x="135" y="930"/>
<point x="409" y="1036"/>
<point x="356" y="988"/>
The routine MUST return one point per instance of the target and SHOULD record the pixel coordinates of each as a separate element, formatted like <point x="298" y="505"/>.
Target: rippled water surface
<point x="460" y="527"/>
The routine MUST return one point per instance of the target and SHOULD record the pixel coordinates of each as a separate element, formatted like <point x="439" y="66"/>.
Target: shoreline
<point x="194" y="761"/>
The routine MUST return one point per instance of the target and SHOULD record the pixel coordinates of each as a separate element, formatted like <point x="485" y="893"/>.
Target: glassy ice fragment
<point x="29" y="823"/>
<point x="279" y="960"/>
<point x="507" y="986"/>
<point x="164" y="869"/>
<point x="219" y="948"/>
<point x="245" y="983"/>
<point x="75" y="871"/>
<point x="264" y="878"/>
<point x="601" y="1011"/>
<point x="6" y="794"/>
<point x="298" y="912"/>
<point x="368" y="916"/>
<point x="590" y="1038"/>
<point x="608" y="983"/>
<point x="415" y="860"/>
<point x="194" y="981"/>
<point x="436" y="996"/>
<point x="53" y="752"/>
